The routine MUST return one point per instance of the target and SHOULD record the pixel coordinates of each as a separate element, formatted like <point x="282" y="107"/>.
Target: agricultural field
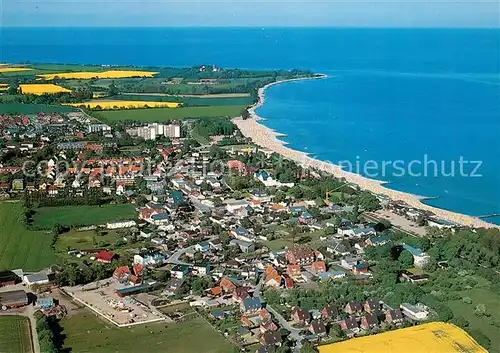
<point x="15" y="334"/>
<point x="189" y="101"/>
<point x="6" y="69"/>
<point x="110" y="74"/>
<point x="85" y="332"/>
<point x="20" y="247"/>
<point x="166" y="114"/>
<point x="20" y="108"/>
<point x="431" y="337"/>
<point x="491" y="301"/>
<point x="119" y="104"/>
<point x="42" y="88"/>
<point x="47" y="217"/>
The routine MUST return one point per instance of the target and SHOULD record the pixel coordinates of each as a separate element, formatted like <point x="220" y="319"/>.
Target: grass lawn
<point x="15" y="334"/>
<point x="492" y="302"/>
<point x="190" y="101"/>
<point x="87" y="333"/>
<point x="20" y="247"/>
<point x="166" y="114"/>
<point x="311" y="238"/>
<point x="19" y="108"/>
<point x="46" y="217"/>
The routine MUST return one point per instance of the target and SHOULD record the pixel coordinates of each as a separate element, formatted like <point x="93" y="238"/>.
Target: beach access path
<point x="269" y="139"/>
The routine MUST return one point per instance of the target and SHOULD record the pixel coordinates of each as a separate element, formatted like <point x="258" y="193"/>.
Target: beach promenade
<point x="268" y="138"/>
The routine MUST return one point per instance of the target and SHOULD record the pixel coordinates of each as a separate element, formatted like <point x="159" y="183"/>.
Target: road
<point x="174" y="259"/>
<point x="294" y="332"/>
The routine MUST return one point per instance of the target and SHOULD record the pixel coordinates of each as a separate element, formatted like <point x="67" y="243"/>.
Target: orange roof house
<point x="319" y="267"/>
<point x="293" y="271"/>
<point x="227" y="286"/>
<point x="216" y="291"/>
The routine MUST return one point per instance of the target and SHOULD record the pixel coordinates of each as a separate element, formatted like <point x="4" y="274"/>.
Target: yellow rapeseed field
<point x="433" y="337"/>
<point x="107" y="105"/>
<point x="13" y="69"/>
<point x="105" y="74"/>
<point x="39" y="89"/>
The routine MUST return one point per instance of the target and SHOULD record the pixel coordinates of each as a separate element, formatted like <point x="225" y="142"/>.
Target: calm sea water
<point x="392" y="94"/>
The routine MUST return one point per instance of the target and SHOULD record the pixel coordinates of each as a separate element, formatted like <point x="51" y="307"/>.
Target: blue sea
<point x="419" y="108"/>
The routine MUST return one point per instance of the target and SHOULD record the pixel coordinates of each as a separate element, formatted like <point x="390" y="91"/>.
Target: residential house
<point x="264" y="315"/>
<point x="294" y="272"/>
<point x="251" y="306"/>
<point x="218" y="314"/>
<point x="317" y="328"/>
<point x="349" y="262"/>
<point x="268" y="326"/>
<point x="243" y="234"/>
<point x="244" y="333"/>
<point x="202" y="247"/>
<point x="369" y="321"/>
<point x="318" y="267"/>
<point x="371" y="306"/>
<point x="273" y="279"/>
<point x="270" y="338"/>
<point x="337" y="274"/>
<point x="377" y="240"/>
<point x="234" y="205"/>
<point x="420" y="258"/>
<point x="300" y="316"/>
<point x="351" y="323"/>
<point x="361" y="268"/>
<point x="337" y="247"/>
<point x="105" y="256"/>
<point x="330" y="312"/>
<point x="227" y="285"/>
<point x="174" y="286"/>
<point x="240" y="294"/>
<point x="353" y="307"/>
<point x="300" y="255"/>
<point x="245" y="246"/>
<point x="394" y="316"/>
<point x="215" y="244"/>
<point x="159" y="219"/>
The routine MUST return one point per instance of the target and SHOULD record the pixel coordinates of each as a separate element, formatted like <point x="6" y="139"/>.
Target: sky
<point x="242" y="13"/>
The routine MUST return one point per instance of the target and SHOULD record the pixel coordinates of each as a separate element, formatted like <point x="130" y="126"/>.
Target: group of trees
<point x="48" y="331"/>
<point x="72" y="274"/>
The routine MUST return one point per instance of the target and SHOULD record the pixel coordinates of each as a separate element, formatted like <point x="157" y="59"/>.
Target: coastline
<point x="269" y="139"/>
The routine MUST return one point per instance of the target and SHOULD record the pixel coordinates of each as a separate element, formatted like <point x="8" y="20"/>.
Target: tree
<point x="406" y="259"/>
<point x="308" y="348"/>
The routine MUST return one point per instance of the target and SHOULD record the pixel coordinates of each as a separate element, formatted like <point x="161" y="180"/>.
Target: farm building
<point x="13" y="299"/>
<point x="8" y="278"/>
<point x="36" y="278"/>
<point x="105" y="256"/>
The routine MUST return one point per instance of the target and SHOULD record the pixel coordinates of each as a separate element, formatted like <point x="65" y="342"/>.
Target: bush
<point x="467" y="300"/>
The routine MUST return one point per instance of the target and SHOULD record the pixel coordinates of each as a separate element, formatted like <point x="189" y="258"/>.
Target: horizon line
<point x="258" y="27"/>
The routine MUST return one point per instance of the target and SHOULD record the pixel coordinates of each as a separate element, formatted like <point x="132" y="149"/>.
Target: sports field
<point x="427" y="338"/>
<point x="15" y="335"/>
<point x="46" y="217"/>
<point x="20" y="247"/>
<point x="87" y="333"/>
<point x="166" y="114"/>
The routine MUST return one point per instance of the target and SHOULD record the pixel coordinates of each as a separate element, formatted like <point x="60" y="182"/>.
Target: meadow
<point x="190" y="101"/>
<point x="15" y="334"/>
<point x="4" y="69"/>
<point x="166" y="114"/>
<point x="119" y="104"/>
<point x="491" y="300"/>
<point x="42" y="88"/>
<point x="20" y="247"/>
<point x="430" y="337"/>
<point x="87" y="333"/>
<point x="20" y="108"/>
<point x="47" y="217"/>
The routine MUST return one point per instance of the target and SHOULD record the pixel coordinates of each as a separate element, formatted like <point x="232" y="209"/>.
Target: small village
<point x="252" y="243"/>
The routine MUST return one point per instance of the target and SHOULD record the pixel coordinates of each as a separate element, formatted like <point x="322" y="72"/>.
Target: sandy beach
<point x="268" y="138"/>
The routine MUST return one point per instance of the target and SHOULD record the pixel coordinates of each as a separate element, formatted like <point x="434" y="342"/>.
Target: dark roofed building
<point x="300" y="316"/>
<point x="394" y="316"/>
<point x="353" y="307"/>
<point x="371" y="306"/>
<point x="317" y="328"/>
<point x="8" y="278"/>
<point x="369" y="321"/>
<point x="300" y="255"/>
<point x="13" y="299"/>
<point x="329" y="312"/>
<point x="351" y="323"/>
<point x="270" y="338"/>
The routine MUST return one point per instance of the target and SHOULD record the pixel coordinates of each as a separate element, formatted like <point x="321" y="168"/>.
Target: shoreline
<point x="269" y="139"/>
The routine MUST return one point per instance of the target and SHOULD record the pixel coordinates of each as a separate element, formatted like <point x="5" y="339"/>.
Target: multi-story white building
<point x="151" y="131"/>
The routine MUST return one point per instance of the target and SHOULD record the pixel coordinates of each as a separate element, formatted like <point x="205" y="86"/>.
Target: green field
<point x="20" y="247"/>
<point x="20" y="108"/>
<point x="190" y="101"/>
<point x="166" y="114"/>
<point x="46" y="217"/>
<point x="87" y="333"/>
<point x="15" y="335"/>
<point x="492" y="302"/>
